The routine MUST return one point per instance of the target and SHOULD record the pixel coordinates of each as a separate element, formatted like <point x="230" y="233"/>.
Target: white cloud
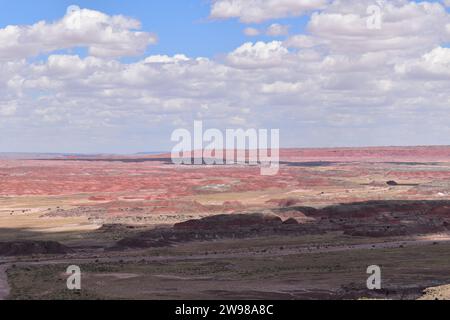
<point x="256" y="11"/>
<point x="277" y="29"/>
<point x="258" y="55"/>
<point x="8" y="109"/>
<point x="336" y="84"/>
<point x="302" y="41"/>
<point x="406" y="27"/>
<point x="103" y="35"/>
<point x="434" y="65"/>
<point x="281" y="87"/>
<point x="166" y="59"/>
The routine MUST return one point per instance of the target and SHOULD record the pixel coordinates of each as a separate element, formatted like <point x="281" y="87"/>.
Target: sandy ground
<point x="437" y="293"/>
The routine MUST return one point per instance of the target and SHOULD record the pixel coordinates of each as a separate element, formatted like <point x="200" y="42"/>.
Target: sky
<point x="115" y="76"/>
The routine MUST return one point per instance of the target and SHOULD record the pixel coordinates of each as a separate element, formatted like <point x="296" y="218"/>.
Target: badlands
<point x="140" y="227"/>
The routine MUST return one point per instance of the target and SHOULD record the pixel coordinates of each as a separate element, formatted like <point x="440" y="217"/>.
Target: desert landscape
<point x="140" y="227"/>
<point x="230" y="151"/>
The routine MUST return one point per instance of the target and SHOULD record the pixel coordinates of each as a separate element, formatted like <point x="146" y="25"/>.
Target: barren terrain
<point x="140" y="227"/>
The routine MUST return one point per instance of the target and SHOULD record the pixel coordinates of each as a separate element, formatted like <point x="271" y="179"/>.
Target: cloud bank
<point x="336" y="84"/>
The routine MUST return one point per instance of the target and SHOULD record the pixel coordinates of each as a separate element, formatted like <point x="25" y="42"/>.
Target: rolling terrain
<point x="142" y="228"/>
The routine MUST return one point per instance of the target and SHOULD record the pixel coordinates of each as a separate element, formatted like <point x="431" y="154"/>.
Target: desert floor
<point x="142" y="228"/>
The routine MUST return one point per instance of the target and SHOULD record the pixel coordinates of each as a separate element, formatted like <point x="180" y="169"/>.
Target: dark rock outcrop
<point x="230" y="221"/>
<point x="231" y="226"/>
<point x="25" y="248"/>
<point x="362" y="219"/>
<point x="291" y="221"/>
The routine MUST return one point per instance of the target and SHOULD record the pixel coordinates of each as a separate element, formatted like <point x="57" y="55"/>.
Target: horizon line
<point x="144" y="153"/>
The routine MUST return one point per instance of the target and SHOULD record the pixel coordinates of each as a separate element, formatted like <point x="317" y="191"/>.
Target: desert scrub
<point x="43" y="283"/>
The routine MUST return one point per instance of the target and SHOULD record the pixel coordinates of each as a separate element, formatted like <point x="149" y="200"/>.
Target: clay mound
<point x="293" y="214"/>
<point x="232" y="221"/>
<point x="228" y="207"/>
<point x="290" y="221"/>
<point x="25" y="248"/>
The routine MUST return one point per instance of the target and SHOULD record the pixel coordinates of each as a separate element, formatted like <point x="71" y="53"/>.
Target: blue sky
<point x="330" y="81"/>
<point x="182" y="26"/>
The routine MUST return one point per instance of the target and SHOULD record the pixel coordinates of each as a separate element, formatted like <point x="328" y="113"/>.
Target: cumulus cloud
<point x="166" y="59"/>
<point x="277" y="29"/>
<point x="434" y="65"/>
<point x="103" y="35"/>
<point x="302" y="41"/>
<point x="256" y="11"/>
<point x="338" y="83"/>
<point x="258" y="55"/>
<point x="405" y="26"/>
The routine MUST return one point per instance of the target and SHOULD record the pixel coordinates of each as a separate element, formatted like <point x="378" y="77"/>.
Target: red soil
<point x="160" y="187"/>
